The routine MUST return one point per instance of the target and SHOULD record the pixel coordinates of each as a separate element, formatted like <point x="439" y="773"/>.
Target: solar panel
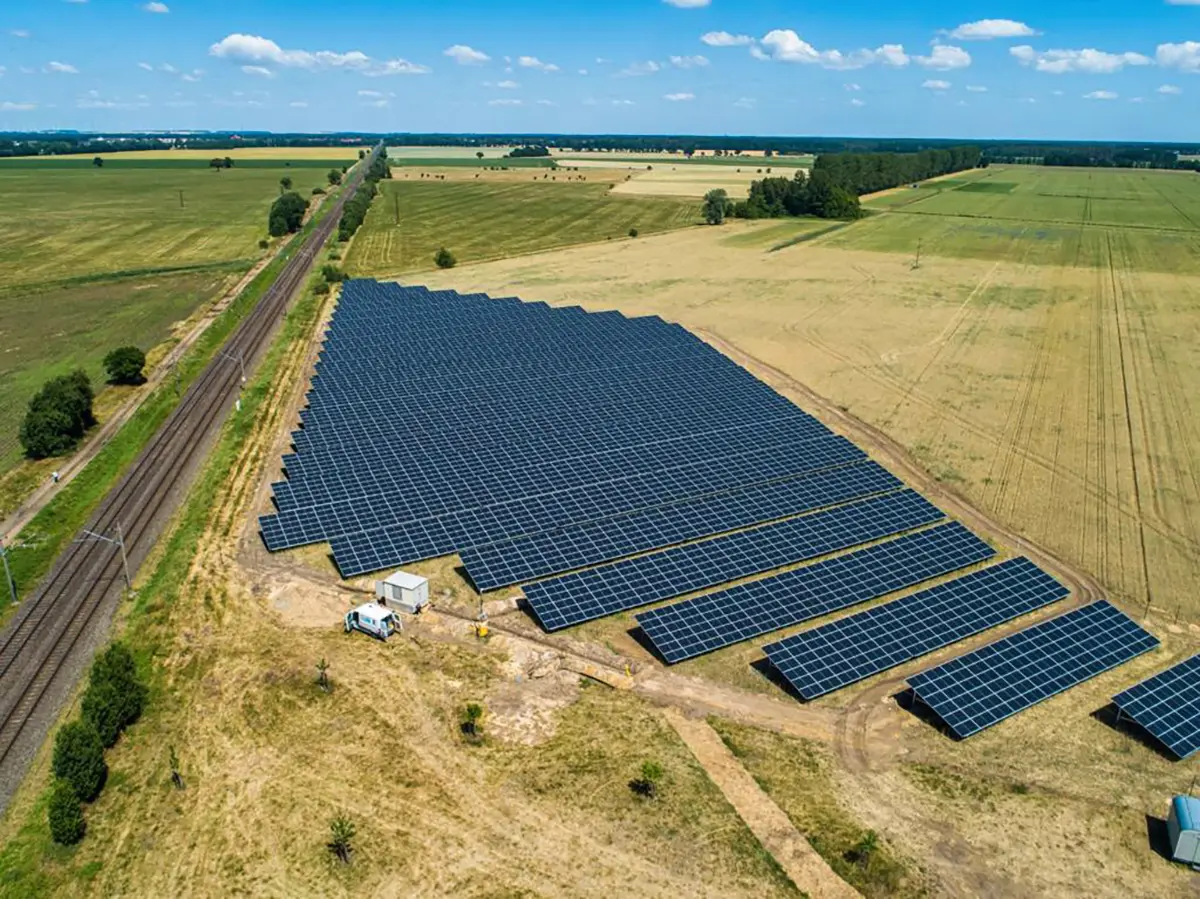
<point x="594" y="593"/>
<point x="709" y="622"/>
<point x="1168" y="706"/>
<point x="977" y="690"/>
<point x="829" y="657"/>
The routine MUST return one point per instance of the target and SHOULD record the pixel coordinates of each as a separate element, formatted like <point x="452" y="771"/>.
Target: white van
<point x="373" y="619"/>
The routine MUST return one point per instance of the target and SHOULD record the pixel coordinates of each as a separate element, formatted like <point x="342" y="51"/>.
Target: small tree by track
<point x="124" y="365"/>
<point x="79" y="759"/>
<point x="444" y="259"/>
<point x="65" y="814"/>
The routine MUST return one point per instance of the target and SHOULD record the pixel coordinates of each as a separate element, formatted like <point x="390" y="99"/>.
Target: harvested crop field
<point x="488" y="218"/>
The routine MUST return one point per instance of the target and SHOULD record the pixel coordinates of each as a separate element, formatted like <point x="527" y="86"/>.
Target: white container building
<point x="408" y="592"/>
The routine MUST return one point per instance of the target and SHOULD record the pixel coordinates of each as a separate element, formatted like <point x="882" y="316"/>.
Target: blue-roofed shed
<point x="1183" y="829"/>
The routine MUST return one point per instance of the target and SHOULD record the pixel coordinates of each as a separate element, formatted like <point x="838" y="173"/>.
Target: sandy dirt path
<point x="765" y="819"/>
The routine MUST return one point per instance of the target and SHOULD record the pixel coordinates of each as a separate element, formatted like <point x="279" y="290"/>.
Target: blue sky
<point x="1074" y="69"/>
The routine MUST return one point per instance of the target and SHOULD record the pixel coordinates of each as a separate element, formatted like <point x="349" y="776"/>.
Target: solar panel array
<point x="1168" y="706"/>
<point x="438" y="422"/>
<point x="616" y="462"/>
<point x="596" y="592"/>
<point x="709" y="622"/>
<point x="977" y="690"/>
<point x="827" y="658"/>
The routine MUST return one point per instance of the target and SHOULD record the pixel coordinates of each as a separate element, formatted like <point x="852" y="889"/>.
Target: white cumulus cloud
<point x="532" y="62"/>
<point x="155" y="7"/>
<point x="977" y="88"/>
<point x="725" y="39"/>
<point x="785" y="45"/>
<point x="504" y="102"/>
<point x="9" y="106"/>
<point x="641" y="68"/>
<point x="253" y="49"/>
<point x="687" y="4"/>
<point x="988" y="29"/>
<point x="944" y="58"/>
<point x="852" y="86"/>
<point x="62" y="68"/>
<point x="1184" y="56"/>
<point x="258" y="71"/>
<point x="146" y="66"/>
<point x="689" y="62"/>
<point x="854" y="101"/>
<point x="745" y="102"/>
<point x="623" y="103"/>
<point x="507" y="85"/>
<point x="680" y="97"/>
<point x="936" y="84"/>
<point x="1100" y="95"/>
<point x="1170" y="89"/>
<point x="1091" y="61"/>
<point x="19" y="32"/>
<point x="466" y="56"/>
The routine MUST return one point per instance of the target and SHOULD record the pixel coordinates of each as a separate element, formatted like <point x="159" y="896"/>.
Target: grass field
<point x="92" y="258"/>
<point x="480" y="220"/>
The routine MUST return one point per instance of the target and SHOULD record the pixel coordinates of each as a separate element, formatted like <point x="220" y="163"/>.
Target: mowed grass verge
<point x="95" y="258"/>
<point x="485" y="220"/>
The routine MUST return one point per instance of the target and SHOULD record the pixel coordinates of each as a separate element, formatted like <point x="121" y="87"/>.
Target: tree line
<point x="831" y="190"/>
<point x="41" y="143"/>
<point x="355" y="211"/>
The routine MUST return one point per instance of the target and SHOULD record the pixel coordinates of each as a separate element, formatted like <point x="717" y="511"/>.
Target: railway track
<point x="42" y="636"/>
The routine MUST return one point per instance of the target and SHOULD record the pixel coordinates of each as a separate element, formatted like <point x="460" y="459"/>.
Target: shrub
<point x="633" y="232"/>
<point x="58" y="416"/>
<point x="263" y="244"/>
<point x="124" y="365"/>
<point x="318" y="191"/>
<point x="79" y="759"/>
<point x="287" y="213"/>
<point x="321" y="288"/>
<point x="115" y="697"/>
<point x="332" y="274"/>
<point x="444" y="259"/>
<point x="341" y="832"/>
<point x="66" y="816"/>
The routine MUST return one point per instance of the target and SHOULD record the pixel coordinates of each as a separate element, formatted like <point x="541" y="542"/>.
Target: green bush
<point x="65" y="814"/>
<point x="332" y="274"/>
<point x="263" y="244"/>
<point x="79" y="759"/>
<point x="287" y="213"/>
<point x="58" y="416"/>
<point x="633" y="232"/>
<point x="124" y="365"/>
<point x="444" y="259"/>
<point x="115" y="697"/>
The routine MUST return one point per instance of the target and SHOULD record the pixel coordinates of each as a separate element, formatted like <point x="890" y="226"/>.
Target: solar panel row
<point x="597" y="592"/>
<point x="834" y="655"/>
<point x="709" y="622"/>
<point x="1168" y="706"/>
<point x="977" y="690"/>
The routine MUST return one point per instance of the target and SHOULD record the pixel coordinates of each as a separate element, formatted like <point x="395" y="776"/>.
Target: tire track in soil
<point x="1118" y="312"/>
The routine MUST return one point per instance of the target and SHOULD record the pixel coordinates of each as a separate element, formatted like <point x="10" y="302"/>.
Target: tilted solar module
<point x="709" y="622"/>
<point x="596" y="592"/>
<point x="829" y="657"/>
<point x="977" y="690"/>
<point x="1168" y="706"/>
